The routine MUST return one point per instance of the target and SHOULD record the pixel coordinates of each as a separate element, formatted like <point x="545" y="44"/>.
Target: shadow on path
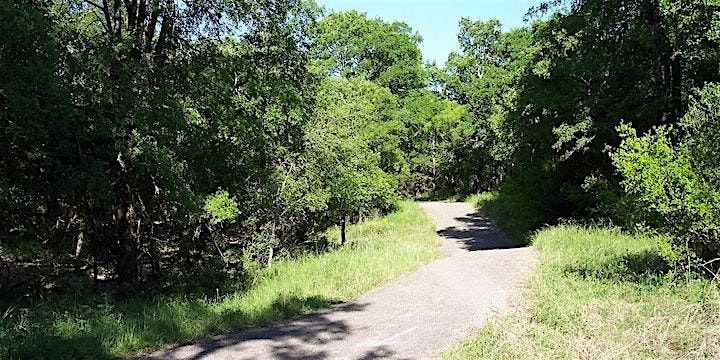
<point x="478" y="232"/>
<point x="301" y="338"/>
<point x="412" y="318"/>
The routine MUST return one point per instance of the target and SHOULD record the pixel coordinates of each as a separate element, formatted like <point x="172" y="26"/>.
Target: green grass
<point x="601" y="294"/>
<point x="81" y="327"/>
<point x="513" y="212"/>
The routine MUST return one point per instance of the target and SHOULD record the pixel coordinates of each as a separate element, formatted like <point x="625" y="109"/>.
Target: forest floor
<point x="417" y="316"/>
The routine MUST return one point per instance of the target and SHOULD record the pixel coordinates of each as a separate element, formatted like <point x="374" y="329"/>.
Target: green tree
<point x="676" y="183"/>
<point x="122" y="118"/>
<point x="597" y="64"/>
<point x="485" y="77"/>
<point x="350" y="44"/>
<point x="354" y="165"/>
<point x="436" y="128"/>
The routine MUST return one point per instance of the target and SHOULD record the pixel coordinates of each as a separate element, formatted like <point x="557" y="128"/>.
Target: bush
<point x="673" y="174"/>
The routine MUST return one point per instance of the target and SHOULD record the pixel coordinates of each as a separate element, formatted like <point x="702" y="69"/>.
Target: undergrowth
<point x="81" y="326"/>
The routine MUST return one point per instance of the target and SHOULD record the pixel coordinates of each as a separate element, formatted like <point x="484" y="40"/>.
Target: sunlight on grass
<point x="379" y="250"/>
<point x="602" y="294"/>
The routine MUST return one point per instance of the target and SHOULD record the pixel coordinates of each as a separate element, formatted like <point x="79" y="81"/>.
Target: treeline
<point x="162" y="140"/>
<point x="168" y="142"/>
<point x="602" y="109"/>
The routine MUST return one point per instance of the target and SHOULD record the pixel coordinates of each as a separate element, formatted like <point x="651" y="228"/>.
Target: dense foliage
<point x="675" y="181"/>
<point x="349" y="44"/>
<point x="552" y="102"/>
<point x="125" y="126"/>
<point x="155" y="141"/>
<point x="148" y="140"/>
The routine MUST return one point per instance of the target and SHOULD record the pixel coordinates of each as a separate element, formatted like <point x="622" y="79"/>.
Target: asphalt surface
<point x="417" y="316"/>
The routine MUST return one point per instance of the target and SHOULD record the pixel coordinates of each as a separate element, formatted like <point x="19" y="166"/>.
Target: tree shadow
<point x="380" y="352"/>
<point x="298" y="338"/>
<point x="478" y="232"/>
<point x="519" y="208"/>
<point x="645" y="267"/>
<point x="88" y="327"/>
<point x="78" y="346"/>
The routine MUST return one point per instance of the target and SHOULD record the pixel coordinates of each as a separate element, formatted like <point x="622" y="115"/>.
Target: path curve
<point x="417" y="316"/>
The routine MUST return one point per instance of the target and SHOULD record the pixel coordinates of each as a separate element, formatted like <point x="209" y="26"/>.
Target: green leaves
<point x="221" y="207"/>
<point x="349" y="44"/>
<point x="677" y="181"/>
<point x="353" y="147"/>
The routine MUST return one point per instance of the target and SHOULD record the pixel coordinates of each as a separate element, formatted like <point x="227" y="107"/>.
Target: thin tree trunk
<point x="343" y="226"/>
<point x="676" y="104"/>
<point x="661" y="63"/>
<point x="154" y="252"/>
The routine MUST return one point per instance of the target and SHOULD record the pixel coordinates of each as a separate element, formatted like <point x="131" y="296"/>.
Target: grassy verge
<point x="516" y="216"/>
<point x="601" y="294"/>
<point x="81" y="327"/>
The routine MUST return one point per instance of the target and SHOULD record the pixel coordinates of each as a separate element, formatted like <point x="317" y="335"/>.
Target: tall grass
<point x="602" y="294"/>
<point x="515" y="213"/>
<point x="103" y="327"/>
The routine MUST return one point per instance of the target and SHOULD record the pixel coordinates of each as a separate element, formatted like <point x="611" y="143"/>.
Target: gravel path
<point x="417" y="316"/>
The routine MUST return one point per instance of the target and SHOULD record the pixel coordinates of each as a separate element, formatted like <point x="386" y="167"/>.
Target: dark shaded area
<point x="519" y="208"/>
<point x="288" y="339"/>
<point x="478" y="233"/>
<point x="642" y="268"/>
<point x="441" y="194"/>
<point x="380" y="352"/>
<point x="79" y="346"/>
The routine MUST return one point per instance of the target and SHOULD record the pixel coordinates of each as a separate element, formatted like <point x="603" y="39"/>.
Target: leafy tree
<point x="484" y="76"/>
<point x="676" y="184"/>
<point x="436" y="128"/>
<point x="137" y="112"/>
<point x="354" y="165"/>
<point x="598" y="63"/>
<point x="350" y="44"/>
<point x="45" y="139"/>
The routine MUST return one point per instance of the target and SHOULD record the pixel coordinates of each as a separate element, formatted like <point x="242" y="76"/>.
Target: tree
<point x="142" y="110"/>
<point x="597" y="64"/>
<point x="353" y="163"/>
<point x="485" y="77"/>
<point x="676" y="183"/>
<point x="351" y="45"/>
<point x="437" y="128"/>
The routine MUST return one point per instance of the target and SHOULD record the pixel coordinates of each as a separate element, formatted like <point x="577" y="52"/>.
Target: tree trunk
<point x="343" y="226"/>
<point x="154" y="254"/>
<point x="661" y="60"/>
<point x="676" y="105"/>
<point x="125" y="219"/>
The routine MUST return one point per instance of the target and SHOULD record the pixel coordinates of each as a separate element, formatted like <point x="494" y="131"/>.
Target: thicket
<point x="179" y="145"/>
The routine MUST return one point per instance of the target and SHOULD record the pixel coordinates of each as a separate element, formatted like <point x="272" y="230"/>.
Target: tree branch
<point x="104" y="9"/>
<point x="94" y="4"/>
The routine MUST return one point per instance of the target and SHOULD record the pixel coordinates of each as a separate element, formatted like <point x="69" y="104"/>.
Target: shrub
<point x="673" y="174"/>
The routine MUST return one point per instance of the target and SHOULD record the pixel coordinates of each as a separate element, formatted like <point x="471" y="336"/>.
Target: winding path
<point x="414" y="317"/>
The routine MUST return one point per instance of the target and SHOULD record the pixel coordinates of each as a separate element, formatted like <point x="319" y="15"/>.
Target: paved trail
<point x="415" y="317"/>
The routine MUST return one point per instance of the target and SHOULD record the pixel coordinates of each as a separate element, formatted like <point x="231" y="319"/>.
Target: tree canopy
<point x="352" y="45"/>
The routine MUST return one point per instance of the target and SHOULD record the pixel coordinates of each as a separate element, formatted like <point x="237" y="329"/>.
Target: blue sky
<point x="436" y="20"/>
